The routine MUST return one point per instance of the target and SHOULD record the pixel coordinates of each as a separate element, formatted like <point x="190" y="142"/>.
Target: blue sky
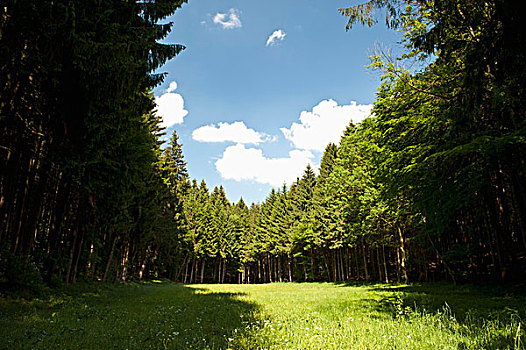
<point x="263" y="86"/>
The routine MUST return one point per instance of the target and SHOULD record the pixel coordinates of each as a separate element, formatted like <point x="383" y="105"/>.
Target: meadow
<point x="267" y="316"/>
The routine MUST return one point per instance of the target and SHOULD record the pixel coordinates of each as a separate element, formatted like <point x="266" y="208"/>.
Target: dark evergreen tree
<point x="75" y="150"/>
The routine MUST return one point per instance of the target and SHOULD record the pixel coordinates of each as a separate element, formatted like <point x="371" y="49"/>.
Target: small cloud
<point x="172" y="87"/>
<point x="241" y="163"/>
<point x="170" y="106"/>
<point x="228" y="20"/>
<point x="277" y="35"/>
<point x="236" y="132"/>
<point x="324" y="124"/>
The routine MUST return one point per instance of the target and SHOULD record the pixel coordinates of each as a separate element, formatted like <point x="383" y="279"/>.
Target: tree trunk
<point x="280" y="277"/>
<point x="379" y="265"/>
<point x="336" y="268"/>
<point x="398" y="265"/>
<point x="125" y="262"/>
<point x="271" y="269"/>
<point x="264" y="268"/>
<point x="312" y="265"/>
<point x="192" y="271"/>
<point x="71" y="254"/>
<point x="73" y="277"/>
<point x="402" y="255"/>
<point x="385" y="265"/>
<point x="203" y="270"/>
<point x="186" y="272"/>
<point x="357" y="261"/>
<point x="259" y="271"/>
<point x="110" y="257"/>
<point x="196" y="268"/>
<point x="225" y="265"/>
<point x="366" y="270"/>
<point x="290" y="268"/>
<point x="219" y="270"/>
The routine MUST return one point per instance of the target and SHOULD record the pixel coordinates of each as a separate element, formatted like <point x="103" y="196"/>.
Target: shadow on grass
<point x="495" y="316"/>
<point x="135" y="316"/>
<point x="464" y="300"/>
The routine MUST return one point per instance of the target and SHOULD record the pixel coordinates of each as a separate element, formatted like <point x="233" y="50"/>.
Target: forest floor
<point x="269" y="316"/>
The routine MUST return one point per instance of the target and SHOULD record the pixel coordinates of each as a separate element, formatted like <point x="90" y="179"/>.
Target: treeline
<point x="83" y="184"/>
<point x="431" y="187"/>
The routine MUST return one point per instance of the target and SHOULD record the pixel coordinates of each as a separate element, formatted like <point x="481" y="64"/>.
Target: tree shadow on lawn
<point x="463" y="300"/>
<point x="495" y="315"/>
<point x="169" y="315"/>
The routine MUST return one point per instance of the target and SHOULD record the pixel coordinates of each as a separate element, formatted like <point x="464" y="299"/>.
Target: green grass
<point x="272" y="316"/>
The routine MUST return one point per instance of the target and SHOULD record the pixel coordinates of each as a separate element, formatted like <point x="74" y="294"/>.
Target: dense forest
<point x="430" y="187"/>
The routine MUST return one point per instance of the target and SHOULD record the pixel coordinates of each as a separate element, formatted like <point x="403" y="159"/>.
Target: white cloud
<point x="172" y="87"/>
<point x="228" y="20"/>
<point x="278" y="35"/>
<point x="224" y="132"/>
<point x="324" y="124"/>
<point x="170" y="106"/>
<point x="240" y="163"/>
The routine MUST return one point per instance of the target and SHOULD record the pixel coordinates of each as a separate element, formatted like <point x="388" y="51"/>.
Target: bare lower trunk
<point x="312" y="264"/>
<point x="290" y="269"/>
<point x="186" y="272"/>
<point x="336" y="266"/>
<point x="380" y="275"/>
<point x="269" y="263"/>
<point x="402" y="255"/>
<point x="73" y="277"/>
<point x="110" y="257"/>
<point x="259" y="271"/>
<point x="224" y="271"/>
<point x="219" y="270"/>
<point x="366" y="270"/>
<point x="342" y="265"/>
<point x="192" y="272"/>
<point x="71" y="253"/>
<point x="265" y="280"/>
<point x="357" y="255"/>
<point x="385" y="265"/>
<point x="203" y="270"/>
<point x="280" y="278"/>
<point x="125" y="262"/>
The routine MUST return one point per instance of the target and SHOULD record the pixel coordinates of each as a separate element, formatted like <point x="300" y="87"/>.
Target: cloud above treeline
<point x="275" y="37"/>
<point x="241" y="163"/>
<point x="316" y="128"/>
<point x="236" y="132"/>
<point x="229" y="20"/>
<point x="170" y="106"/>
<point x="324" y="124"/>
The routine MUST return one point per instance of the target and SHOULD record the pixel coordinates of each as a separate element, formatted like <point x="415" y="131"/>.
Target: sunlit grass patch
<point x="332" y="316"/>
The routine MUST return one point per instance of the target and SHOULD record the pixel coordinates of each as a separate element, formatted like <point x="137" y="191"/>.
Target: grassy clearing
<point x="277" y="316"/>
